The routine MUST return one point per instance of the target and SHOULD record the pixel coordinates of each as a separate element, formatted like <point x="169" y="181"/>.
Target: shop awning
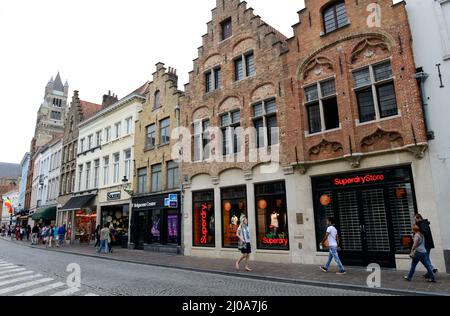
<point x="48" y="214"/>
<point x="79" y="202"/>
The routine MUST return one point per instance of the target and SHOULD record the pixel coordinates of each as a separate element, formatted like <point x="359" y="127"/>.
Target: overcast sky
<point x="98" y="45"/>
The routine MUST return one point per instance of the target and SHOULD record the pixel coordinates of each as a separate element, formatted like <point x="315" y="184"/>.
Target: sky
<point x="99" y="45"/>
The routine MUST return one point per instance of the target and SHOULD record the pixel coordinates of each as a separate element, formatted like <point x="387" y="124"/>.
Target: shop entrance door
<point x="140" y="233"/>
<point x="366" y="233"/>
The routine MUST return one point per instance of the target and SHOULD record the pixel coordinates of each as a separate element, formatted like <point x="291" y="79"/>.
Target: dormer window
<point x="227" y="29"/>
<point x="335" y="17"/>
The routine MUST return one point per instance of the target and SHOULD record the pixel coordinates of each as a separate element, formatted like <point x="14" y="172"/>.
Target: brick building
<point x="227" y="166"/>
<point x="356" y="132"/>
<point x="156" y="212"/>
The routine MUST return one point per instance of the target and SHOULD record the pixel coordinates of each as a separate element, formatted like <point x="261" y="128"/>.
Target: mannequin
<point x="234" y="220"/>
<point x="274" y="223"/>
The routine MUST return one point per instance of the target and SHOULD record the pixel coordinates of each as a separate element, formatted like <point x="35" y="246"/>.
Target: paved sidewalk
<point x="392" y="281"/>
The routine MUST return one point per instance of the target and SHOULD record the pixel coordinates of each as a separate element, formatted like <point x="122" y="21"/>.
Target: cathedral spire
<point x="58" y="85"/>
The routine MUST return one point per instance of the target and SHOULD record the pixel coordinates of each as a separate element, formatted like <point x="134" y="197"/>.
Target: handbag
<point x="413" y="254"/>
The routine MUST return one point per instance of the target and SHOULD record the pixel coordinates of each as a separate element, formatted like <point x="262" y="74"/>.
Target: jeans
<point x="61" y="240"/>
<point x="429" y="257"/>
<point x="103" y="244"/>
<point x="334" y="255"/>
<point x="425" y="260"/>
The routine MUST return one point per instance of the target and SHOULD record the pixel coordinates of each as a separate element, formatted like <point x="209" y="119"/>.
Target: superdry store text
<point x="374" y="210"/>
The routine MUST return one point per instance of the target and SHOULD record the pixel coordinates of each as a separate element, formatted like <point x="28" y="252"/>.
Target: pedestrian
<point x="331" y="241"/>
<point x="244" y="244"/>
<point x="419" y="254"/>
<point x="425" y="230"/>
<point x="112" y="237"/>
<point x="34" y="234"/>
<point x="50" y="236"/>
<point x="104" y="239"/>
<point x="28" y="232"/>
<point x="45" y="235"/>
<point x="97" y="236"/>
<point x="61" y="235"/>
<point x="17" y="232"/>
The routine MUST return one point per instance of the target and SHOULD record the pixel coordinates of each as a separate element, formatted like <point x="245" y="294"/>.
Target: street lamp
<point x="126" y="186"/>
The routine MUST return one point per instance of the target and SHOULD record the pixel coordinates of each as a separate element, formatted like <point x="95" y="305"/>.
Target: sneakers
<point x="407" y="279"/>
<point x="323" y="269"/>
<point x="341" y="273"/>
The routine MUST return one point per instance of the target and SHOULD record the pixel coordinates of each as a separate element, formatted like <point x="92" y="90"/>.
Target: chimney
<point x="109" y="99"/>
<point x="172" y="73"/>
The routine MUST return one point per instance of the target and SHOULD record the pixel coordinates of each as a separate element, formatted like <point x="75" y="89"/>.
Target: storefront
<point x="45" y="216"/>
<point x="80" y="217"/>
<point x="156" y="222"/>
<point x="116" y="212"/>
<point x="374" y="210"/>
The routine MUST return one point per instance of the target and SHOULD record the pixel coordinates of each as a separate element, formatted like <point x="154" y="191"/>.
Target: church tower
<point x="52" y="112"/>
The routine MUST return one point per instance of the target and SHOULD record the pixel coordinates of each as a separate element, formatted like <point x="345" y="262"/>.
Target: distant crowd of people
<point x="47" y="235"/>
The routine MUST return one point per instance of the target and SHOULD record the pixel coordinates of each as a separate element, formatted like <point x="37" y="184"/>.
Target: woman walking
<point x="245" y="246"/>
<point x="419" y="254"/>
<point x="112" y="237"/>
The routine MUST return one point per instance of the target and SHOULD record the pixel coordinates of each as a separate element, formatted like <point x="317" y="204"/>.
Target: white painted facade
<point x="106" y="151"/>
<point x="54" y="172"/>
<point x="430" y="26"/>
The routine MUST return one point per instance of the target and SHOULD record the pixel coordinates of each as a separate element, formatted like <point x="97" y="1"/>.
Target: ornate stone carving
<point x="318" y="66"/>
<point x="301" y="167"/>
<point x="215" y="180"/>
<point x="380" y="140"/>
<point x="326" y="149"/>
<point x="418" y="150"/>
<point x="368" y="48"/>
<point x="354" y="160"/>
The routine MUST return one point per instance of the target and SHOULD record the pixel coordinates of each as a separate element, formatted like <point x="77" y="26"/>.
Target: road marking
<point x="42" y="289"/>
<point x="16" y="275"/>
<point x="20" y="279"/>
<point x="91" y="294"/>
<point x="24" y="285"/>
<point x="5" y="265"/>
<point x="67" y="292"/>
<point x="13" y="270"/>
<point x="8" y="268"/>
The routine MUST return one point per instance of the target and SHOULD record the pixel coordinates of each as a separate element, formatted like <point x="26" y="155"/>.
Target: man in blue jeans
<point x="332" y="238"/>
<point x="104" y="239"/>
<point x="61" y="235"/>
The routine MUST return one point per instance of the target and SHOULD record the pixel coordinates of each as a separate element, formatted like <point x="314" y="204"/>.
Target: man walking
<point x="425" y="229"/>
<point x="34" y="235"/>
<point x="61" y="235"/>
<point x="331" y="240"/>
<point x="104" y="239"/>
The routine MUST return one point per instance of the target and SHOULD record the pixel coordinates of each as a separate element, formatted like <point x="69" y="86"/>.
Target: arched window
<point x="157" y="103"/>
<point x="335" y="16"/>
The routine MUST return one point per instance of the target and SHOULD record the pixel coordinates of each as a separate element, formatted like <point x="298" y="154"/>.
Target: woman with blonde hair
<point x="419" y="254"/>
<point x="244" y="244"/>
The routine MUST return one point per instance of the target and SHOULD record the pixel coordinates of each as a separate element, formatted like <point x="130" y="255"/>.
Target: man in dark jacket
<point x="425" y="229"/>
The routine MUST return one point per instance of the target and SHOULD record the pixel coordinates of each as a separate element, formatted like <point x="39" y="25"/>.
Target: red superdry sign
<point x="204" y="214"/>
<point x="370" y="178"/>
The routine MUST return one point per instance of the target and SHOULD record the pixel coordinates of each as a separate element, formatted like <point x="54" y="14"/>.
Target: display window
<point x="155" y="229"/>
<point x="272" y="218"/>
<point x="173" y="220"/>
<point x="85" y="221"/>
<point x="234" y="205"/>
<point x="118" y="216"/>
<point x="203" y="219"/>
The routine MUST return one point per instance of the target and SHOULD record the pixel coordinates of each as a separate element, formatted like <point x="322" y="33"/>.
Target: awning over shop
<point x="79" y="202"/>
<point x="48" y="214"/>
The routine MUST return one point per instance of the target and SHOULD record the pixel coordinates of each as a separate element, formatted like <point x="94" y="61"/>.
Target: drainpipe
<point x="421" y="77"/>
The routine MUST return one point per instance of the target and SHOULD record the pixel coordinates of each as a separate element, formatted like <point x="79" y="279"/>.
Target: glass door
<point x="140" y="229"/>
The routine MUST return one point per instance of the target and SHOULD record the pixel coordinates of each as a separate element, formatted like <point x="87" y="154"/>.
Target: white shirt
<point x="274" y="218"/>
<point x="332" y="236"/>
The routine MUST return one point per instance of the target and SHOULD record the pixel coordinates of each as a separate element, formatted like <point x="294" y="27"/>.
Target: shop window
<point x="151" y="137"/>
<point x="272" y="218"/>
<point x="142" y="180"/>
<point x="265" y="123"/>
<point x="335" y="17"/>
<point x="118" y="216"/>
<point x="201" y="140"/>
<point x="244" y="66"/>
<point x="234" y="205"/>
<point x="203" y="219"/>
<point x="227" y="29"/>
<point x="173" y="178"/>
<point x="157" y="178"/>
<point x="164" y="131"/>
<point x="230" y="125"/>
<point x="321" y="105"/>
<point x="375" y="92"/>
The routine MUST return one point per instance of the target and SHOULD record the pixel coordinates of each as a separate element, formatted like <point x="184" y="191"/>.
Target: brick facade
<point x="314" y="56"/>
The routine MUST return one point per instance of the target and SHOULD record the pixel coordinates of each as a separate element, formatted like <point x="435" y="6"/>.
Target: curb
<point x="342" y="286"/>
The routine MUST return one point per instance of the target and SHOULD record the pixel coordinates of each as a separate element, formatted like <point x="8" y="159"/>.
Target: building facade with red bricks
<point x="356" y="132"/>
<point x="234" y="163"/>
